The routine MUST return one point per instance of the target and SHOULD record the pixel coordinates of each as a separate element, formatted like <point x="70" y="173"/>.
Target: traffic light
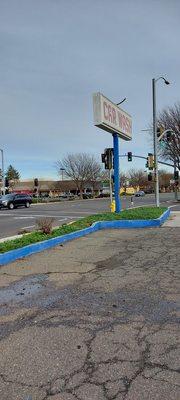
<point x="176" y="175"/>
<point x="103" y="158"/>
<point x="107" y="158"/>
<point x="150" y="161"/>
<point x="36" y="182"/>
<point x="129" y="156"/>
<point x="150" y="177"/>
<point x="160" y="130"/>
<point x="6" y="182"/>
<point x="168" y="136"/>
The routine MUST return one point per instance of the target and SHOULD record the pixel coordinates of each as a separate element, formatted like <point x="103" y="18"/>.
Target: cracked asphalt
<point x="94" y="319"/>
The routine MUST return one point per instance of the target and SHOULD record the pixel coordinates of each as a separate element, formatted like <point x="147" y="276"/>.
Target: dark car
<point x="140" y="193"/>
<point x="87" y="195"/>
<point x="15" y="200"/>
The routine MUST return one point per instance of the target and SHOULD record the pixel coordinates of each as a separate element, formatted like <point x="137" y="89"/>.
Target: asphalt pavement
<point x="13" y="221"/>
<point x="94" y="319"/>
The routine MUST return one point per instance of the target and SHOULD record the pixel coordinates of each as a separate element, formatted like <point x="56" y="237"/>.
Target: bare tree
<point x="170" y="119"/>
<point x="137" y="177"/>
<point x="81" y="168"/>
<point x="123" y="179"/>
<point x="164" y="178"/>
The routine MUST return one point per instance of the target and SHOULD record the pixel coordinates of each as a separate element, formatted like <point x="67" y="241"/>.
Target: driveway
<point x="94" y="319"/>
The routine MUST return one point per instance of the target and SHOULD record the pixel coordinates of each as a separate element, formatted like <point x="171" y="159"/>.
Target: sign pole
<point x="116" y="172"/>
<point x="110" y="186"/>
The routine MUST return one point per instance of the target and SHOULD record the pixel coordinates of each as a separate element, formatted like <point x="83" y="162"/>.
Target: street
<point x="12" y="221"/>
<point x="94" y="319"/>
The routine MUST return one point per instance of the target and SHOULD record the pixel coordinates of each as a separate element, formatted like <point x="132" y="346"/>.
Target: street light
<point x="156" y="176"/>
<point x="122" y="101"/>
<point x="62" y="170"/>
<point x="3" y="177"/>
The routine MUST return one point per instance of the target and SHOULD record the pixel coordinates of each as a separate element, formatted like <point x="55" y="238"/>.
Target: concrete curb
<point x="46" y="244"/>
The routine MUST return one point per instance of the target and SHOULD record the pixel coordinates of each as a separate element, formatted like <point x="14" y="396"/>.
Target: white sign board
<point x="110" y="117"/>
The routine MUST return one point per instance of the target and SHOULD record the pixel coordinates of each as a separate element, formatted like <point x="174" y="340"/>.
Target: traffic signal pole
<point x="110" y="185"/>
<point x="2" y="172"/>
<point x="116" y="172"/>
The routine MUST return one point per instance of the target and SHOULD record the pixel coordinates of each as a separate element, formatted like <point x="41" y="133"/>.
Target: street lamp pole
<point x="156" y="175"/>
<point x="62" y="170"/>
<point x="3" y="177"/>
<point x="155" y="140"/>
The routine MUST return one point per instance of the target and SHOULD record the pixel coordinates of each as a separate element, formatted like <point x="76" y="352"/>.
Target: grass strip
<point x="141" y="213"/>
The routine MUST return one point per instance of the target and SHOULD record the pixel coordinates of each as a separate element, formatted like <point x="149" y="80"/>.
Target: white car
<point x="140" y="193"/>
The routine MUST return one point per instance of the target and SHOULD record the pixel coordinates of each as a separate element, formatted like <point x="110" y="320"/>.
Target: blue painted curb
<point x="46" y="244"/>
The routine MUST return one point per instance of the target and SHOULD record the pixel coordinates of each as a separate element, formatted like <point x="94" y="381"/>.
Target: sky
<point x="54" y="54"/>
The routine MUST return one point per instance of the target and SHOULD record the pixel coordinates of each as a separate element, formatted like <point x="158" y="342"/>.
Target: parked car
<point x="87" y="195"/>
<point x="101" y="195"/>
<point x="140" y="193"/>
<point x="14" y="200"/>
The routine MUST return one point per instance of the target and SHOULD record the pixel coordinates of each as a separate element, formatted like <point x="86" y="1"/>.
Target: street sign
<point x="111" y="118"/>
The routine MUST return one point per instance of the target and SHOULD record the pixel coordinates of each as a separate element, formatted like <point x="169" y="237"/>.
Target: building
<point x="54" y="188"/>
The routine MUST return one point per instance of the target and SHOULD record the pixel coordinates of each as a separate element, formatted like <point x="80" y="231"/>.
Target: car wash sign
<point x="110" y="117"/>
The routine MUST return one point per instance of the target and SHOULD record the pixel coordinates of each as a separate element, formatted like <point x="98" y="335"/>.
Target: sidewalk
<point x="95" y="319"/>
<point x="174" y="220"/>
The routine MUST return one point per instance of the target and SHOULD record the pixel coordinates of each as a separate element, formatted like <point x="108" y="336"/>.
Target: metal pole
<point x="175" y="186"/>
<point x="3" y="177"/>
<point x="116" y="172"/>
<point x="110" y="186"/>
<point x="156" y="176"/>
<point x="145" y="158"/>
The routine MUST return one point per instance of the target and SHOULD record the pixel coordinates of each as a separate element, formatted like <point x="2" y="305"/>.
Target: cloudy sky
<point x="55" y="53"/>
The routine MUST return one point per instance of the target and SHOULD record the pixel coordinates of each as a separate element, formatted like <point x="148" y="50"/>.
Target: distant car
<point x="87" y="195"/>
<point x="140" y="193"/>
<point x="14" y="200"/>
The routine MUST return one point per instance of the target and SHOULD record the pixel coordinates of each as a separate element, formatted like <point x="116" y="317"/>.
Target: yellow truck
<point x="130" y="190"/>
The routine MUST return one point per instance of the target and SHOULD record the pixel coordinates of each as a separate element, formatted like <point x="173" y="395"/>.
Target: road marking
<point x="27" y="227"/>
<point x="79" y="217"/>
<point x="24" y="217"/>
<point x="52" y="216"/>
<point x="63" y="219"/>
<point x="7" y="215"/>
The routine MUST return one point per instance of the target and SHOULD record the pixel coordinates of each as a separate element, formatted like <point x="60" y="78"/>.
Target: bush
<point x="45" y="224"/>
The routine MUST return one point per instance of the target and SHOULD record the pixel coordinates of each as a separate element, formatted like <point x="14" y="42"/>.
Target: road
<point x="94" y="319"/>
<point x="13" y="221"/>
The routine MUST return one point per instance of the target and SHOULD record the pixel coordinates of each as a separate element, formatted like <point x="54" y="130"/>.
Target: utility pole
<point x="156" y="175"/>
<point x="175" y="183"/>
<point x="155" y="139"/>
<point x="3" y="175"/>
<point x="62" y="170"/>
